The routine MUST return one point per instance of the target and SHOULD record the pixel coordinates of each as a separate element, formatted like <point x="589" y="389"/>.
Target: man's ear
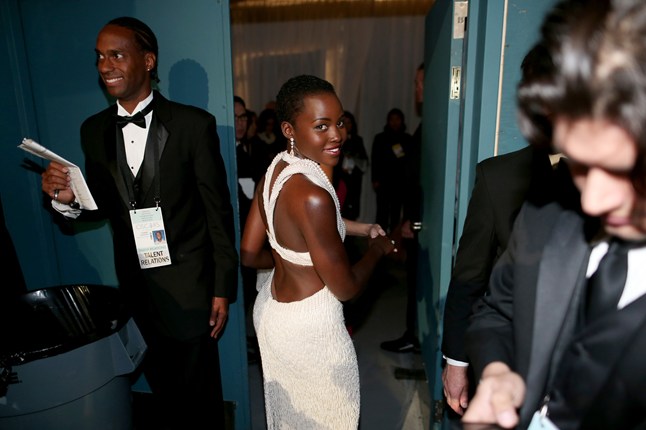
<point x="151" y="60"/>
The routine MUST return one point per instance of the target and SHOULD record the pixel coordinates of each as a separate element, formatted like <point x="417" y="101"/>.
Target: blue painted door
<point x="463" y="126"/>
<point x="441" y="118"/>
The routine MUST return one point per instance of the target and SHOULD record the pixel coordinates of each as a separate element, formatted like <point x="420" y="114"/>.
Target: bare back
<point x="300" y="211"/>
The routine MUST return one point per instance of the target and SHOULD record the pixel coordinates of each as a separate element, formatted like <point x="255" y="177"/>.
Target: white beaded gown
<point x="309" y="364"/>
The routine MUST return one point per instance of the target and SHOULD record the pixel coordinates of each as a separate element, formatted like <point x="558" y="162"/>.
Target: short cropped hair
<point x="289" y="101"/>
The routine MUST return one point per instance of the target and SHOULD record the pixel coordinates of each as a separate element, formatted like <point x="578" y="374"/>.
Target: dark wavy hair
<point x="598" y="50"/>
<point x="534" y="119"/>
<point x="289" y="101"/>
<point x="144" y="37"/>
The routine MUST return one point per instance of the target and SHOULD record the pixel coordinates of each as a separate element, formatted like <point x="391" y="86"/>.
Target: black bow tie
<point x="138" y="119"/>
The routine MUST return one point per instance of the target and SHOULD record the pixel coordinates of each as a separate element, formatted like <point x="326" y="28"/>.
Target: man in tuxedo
<point x="562" y="333"/>
<point x="502" y="184"/>
<point x="163" y="165"/>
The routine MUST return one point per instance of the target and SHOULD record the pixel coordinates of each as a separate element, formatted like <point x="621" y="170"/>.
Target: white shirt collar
<point x="121" y="111"/>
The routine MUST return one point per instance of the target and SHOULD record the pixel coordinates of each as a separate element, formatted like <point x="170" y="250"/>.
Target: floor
<point x="394" y="392"/>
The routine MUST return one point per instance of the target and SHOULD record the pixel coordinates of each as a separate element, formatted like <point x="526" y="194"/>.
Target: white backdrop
<point x="370" y="61"/>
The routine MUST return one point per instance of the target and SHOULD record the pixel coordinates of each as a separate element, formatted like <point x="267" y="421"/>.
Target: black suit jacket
<point x="502" y="184"/>
<point x="529" y="321"/>
<point x="197" y="212"/>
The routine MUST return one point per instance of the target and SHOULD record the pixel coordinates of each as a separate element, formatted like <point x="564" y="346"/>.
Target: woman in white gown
<point x="311" y="378"/>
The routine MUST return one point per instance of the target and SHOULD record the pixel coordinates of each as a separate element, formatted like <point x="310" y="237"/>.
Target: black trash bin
<point x="66" y="354"/>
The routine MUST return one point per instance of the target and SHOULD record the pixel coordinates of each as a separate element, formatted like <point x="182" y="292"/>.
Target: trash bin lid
<point x="54" y="320"/>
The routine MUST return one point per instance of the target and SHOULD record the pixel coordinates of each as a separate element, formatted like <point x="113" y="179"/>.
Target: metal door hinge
<point x="456" y="78"/>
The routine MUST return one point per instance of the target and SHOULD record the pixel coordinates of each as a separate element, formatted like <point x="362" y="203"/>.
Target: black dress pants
<point x="184" y="376"/>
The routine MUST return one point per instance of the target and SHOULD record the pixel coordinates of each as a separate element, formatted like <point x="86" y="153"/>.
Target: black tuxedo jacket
<point x="197" y="212"/>
<point x="529" y="321"/>
<point x="502" y="184"/>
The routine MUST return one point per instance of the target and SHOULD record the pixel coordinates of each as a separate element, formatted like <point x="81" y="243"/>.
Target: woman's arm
<point x="355" y="228"/>
<point x="314" y="217"/>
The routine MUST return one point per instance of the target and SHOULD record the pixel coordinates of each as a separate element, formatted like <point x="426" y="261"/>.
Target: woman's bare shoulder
<point x="300" y="189"/>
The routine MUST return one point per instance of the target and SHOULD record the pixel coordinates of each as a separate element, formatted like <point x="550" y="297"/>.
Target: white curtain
<point x="370" y="61"/>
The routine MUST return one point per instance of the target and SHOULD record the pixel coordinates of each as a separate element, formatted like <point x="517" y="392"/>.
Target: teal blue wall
<point x="524" y="19"/>
<point x="50" y="85"/>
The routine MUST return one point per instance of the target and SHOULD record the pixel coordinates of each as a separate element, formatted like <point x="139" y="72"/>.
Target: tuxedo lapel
<point x="561" y="276"/>
<point x="157" y="137"/>
<point x="110" y="141"/>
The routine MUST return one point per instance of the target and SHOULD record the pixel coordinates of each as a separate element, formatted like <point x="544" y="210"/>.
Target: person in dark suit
<point x="547" y="343"/>
<point x="170" y="162"/>
<point x="390" y="159"/>
<point x="411" y="214"/>
<point x="502" y="184"/>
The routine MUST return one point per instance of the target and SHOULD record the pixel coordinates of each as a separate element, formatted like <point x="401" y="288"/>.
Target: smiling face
<point x="318" y="129"/>
<point x="123" y="65"/>
<point x="601" y="157"/>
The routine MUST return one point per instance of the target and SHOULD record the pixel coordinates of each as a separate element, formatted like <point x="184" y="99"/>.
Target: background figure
<point x="250" y="159"/>
<point x="348" y="173"/>
<point x="502" y="184"/>
<point x="269" y="132"/>
<point x="563" y="327"/>
<point x="412" y="195"/>
<point x="310" y="372"/>
<point x="347" y="179"/>
<point x="389" y="161"/>
<point x="252" y="128"/>
<point x="171" y="165"/>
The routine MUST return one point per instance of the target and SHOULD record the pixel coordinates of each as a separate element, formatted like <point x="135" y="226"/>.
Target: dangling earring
<point x="291" y="146"/>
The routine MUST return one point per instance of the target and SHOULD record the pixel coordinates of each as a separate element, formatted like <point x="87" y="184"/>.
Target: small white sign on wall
<point x="460" y="9"/>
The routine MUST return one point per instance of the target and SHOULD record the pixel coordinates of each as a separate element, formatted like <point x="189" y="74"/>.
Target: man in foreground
<point x="562" y="335"/>
<point x="152" y="164"/>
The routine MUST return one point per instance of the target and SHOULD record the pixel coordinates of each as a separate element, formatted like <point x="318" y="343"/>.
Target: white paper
<point x="247" y="185"/>
<point x="78" y="184"/>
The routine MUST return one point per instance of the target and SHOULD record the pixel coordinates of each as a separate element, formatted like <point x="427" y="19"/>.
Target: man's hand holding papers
<point x="62" y="181"/>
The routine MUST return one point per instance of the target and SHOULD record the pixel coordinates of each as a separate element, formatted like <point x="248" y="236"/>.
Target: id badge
<point x="398" y="150"/>
<point x="540" y="421"/>
<point x="150" y="237"/>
